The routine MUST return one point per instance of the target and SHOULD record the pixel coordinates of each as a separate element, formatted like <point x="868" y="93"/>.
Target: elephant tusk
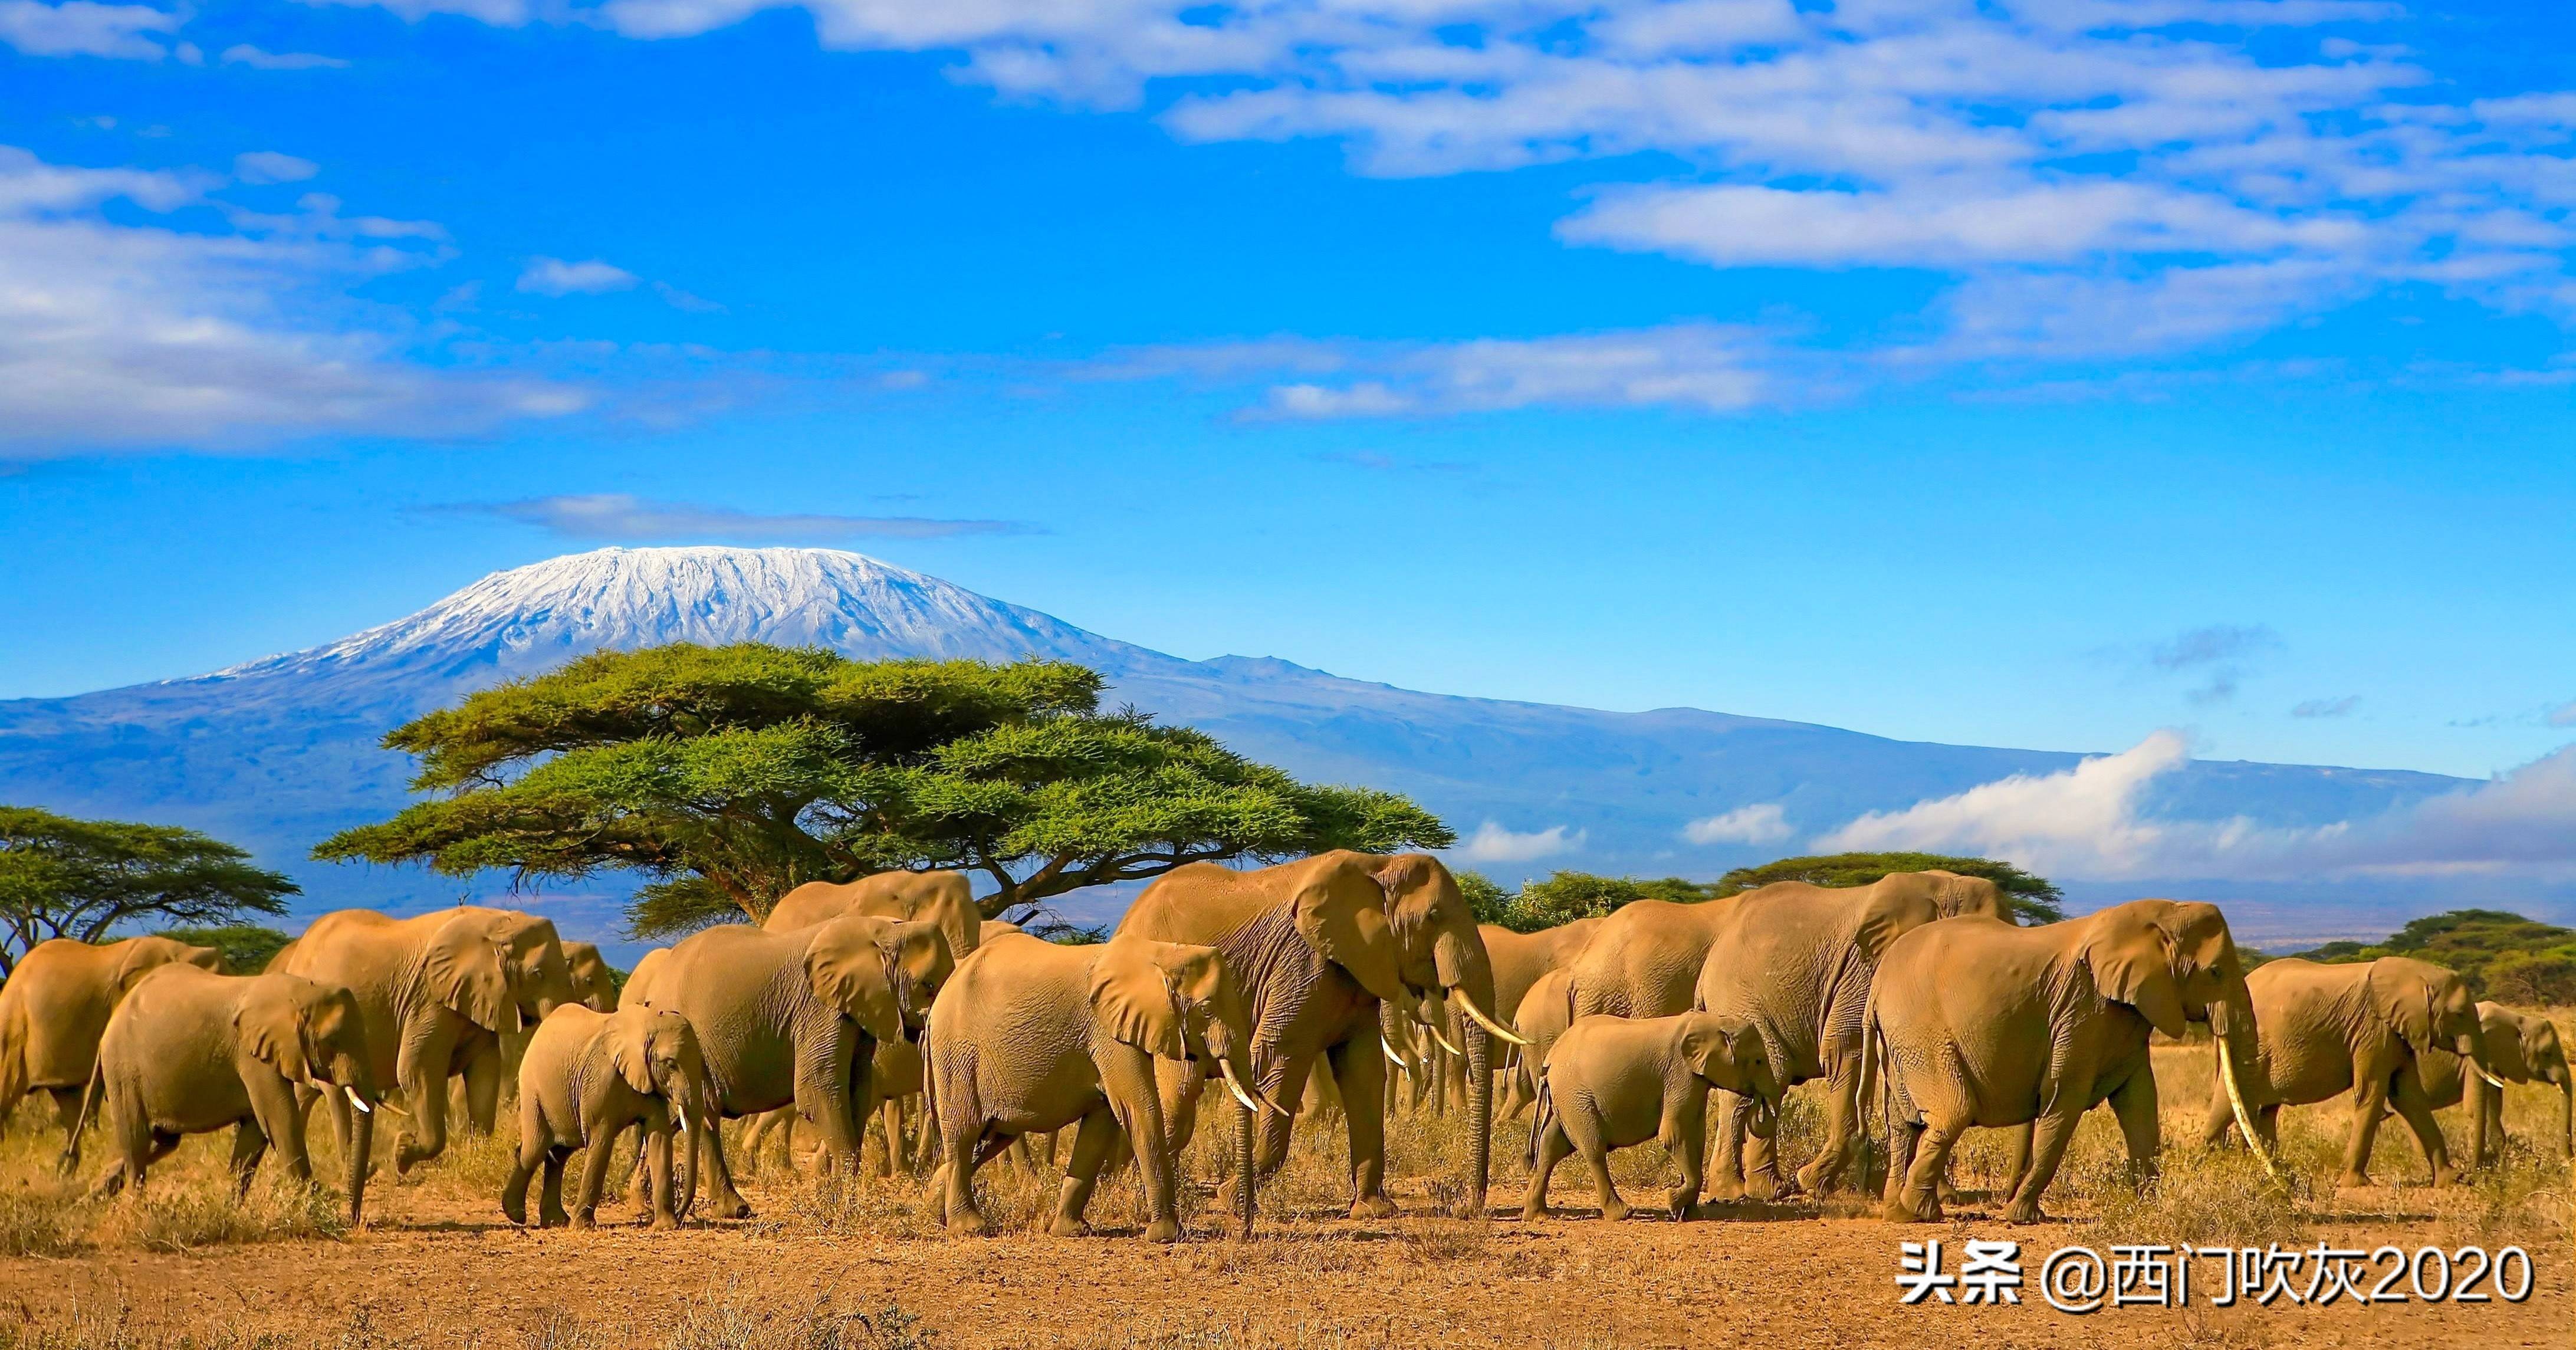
<point x="1492" y="1028"/>
<point x="2492" y="1080"/>
<point x="1443" y="1041"/>
<point x="1227" y="1070"/>
<point x="1400" y="1061"/>
<point x="357" y="1101"/>
<point x="2236" y="1103"/>
<point x="1273" y="1103"/>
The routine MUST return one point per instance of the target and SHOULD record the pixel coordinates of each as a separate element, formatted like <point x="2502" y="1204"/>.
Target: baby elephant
<point x="587" y="1076"/>
<point x="190" y="1051"/>
<point x="1615" y="1081"/>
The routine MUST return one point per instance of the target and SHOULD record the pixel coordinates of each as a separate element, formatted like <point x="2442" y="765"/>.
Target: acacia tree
<point x="1567" y="896"/>
<point x="728" y="776"/>
<point x="61" y="877"/>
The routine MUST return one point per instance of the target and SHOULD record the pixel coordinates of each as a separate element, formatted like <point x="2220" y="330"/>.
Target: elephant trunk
<point x="2566" y="1114"/>
<point x="1245" y="1119"/>
<point x="362" y="1141"/>
<point x="1469" y="974"/>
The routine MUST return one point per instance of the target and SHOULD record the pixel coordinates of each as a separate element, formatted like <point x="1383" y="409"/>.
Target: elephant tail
<point x="14" y="1031"/>
<point x="92" y="1093"/>
<point x="1542" y="1116"/>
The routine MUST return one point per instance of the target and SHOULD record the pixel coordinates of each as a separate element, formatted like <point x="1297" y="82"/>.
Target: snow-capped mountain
<point x="278" y="752"/>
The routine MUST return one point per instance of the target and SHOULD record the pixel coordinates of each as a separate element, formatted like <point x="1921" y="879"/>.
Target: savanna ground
<point x="437" y="1267"/>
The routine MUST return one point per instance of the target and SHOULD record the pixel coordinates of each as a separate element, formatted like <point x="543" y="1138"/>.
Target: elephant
<point x="794" y="1017"/>
<point x="1616" y="1081"/>
<point x="1032" y="1036"/>
<point x="942" y="899"/>
<point x="594" y="985"/>
<point x="190" y="1051"/>
<point x="1986" y="1024"/>
<point x="2524" y="1048"/>
<point x="586" y="1077"/>
<point x="894" y="1078"/>
<point x="1520" y="959"/>
<point x="1321" y="942"/>
<point x="55" y="1007"/>
<point x="2370" y="1028"/>
<point x="1545" y="1012"/>
<point x="1795" y="961"/>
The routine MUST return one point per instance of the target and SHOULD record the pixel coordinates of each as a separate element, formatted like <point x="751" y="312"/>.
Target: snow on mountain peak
<point x="535" y="617"/>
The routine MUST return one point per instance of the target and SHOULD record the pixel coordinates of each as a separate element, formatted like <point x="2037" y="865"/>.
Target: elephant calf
<point x="1031" y="1036"/>
<point x="586" y="1077"/>
<point x="1616" y="1081"/>
<point x="190" y="1051"/>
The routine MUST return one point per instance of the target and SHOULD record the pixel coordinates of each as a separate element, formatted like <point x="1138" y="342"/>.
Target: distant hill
<point x="279" y="752"/>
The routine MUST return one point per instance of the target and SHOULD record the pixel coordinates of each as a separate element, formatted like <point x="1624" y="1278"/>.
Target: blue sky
<point x="2035" y="375"/>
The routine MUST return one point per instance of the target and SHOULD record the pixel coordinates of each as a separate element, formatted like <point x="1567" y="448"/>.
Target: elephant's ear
<point x="272" y="1024"/>
<point x="1708" y="1047"/>
<point x="2132" y="960"/>
<point x="466" y="972"/>
<point x="847" y="970"/>
<point x="630" y="1049"/>
<point x="2405" y="1003"/>
<point x="142" y="957"/>
<point x="1132" y="994"/>
<point x="1341" y="912"/>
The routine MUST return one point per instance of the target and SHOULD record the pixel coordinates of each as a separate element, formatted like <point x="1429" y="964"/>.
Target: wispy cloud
<point x="244" y="54"/>
<point x="115" y="333"/>
<point x="82" y="28"/>
<point x="2327" y="707"/>
<point x="2091" y="822"/>
<point x="1379" y="462"/>
<point x="1764" y="823"/>
<point x="1491" y="843"/>
<point x="268" y="166"/>
<point x="2564" y="715"/>
<point x="554" y="276"/>
<point x="619" y="516"/>
<point x="2219" y="653"/>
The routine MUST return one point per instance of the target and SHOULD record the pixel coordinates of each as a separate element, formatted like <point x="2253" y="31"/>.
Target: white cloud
<point x="1491" y="843"/>
<point x="618" y="515"/>
<point x="268" y="166"/>
<point x="2564" y="715"/>
<point x="1758" y="824"/>
<point x="81" y="28"/>
<point x="1701" y="367"/>
<point x="244" y="54"/>
<point x="2088" y="823"/>
<point x="115" y="334"/>
<point x="554" y="276"/>
<point x="2326" y="707"/>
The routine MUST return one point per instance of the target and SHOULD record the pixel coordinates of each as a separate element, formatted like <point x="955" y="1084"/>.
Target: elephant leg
<point x="2133" y="1104"/>
<point x="1551" y="1150"/>
<point x="601" y="1136"/>
<point x="2417" y="1111"/>
<point x="1127" y="1076"/>
<point x="273" y="1106"/>
<point x="249" y="1143"/>
<point x="1825" y="1171"/>
<point x="728" y="1201"/>
<point x="523" y="1168"/>
<point x="2017" y="1145"/>
<point x="1726" y="1163"/>
<point x="1355" y="1064"/>
<point x="2369" y="1102"/>
<point x="1585" y="1134"/>
<point x="1685" y="1133"/>
<point x="422" y="1076"/>
<point x="550" y="1206"/>
<point x="658" y="1150"/>
<point x="890" y="1118"/>
<point x="1914" y="1194"/>
<point x="1097" y="1130"/>
<point x="2049" y="1137"/>
<point x="482" y="1075"/>
<point x="963" y="1142"/>
<point x="1019" y="1155"/>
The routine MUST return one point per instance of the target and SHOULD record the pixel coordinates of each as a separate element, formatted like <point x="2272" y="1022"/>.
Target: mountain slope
<point x="279" y="752"/>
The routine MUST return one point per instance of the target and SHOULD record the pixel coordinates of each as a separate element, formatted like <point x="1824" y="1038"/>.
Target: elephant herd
<point x="1336" y="978"/>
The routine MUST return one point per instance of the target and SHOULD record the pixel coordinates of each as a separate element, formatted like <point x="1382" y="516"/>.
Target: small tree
<point x="2033" y="899"/>
<point x="1567" y="896"/>
<point x="247" y="947"/>
<point x="61" y="877"/>
<point x="728" y="776"/>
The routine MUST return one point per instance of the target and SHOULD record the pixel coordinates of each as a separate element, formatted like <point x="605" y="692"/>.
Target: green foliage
<point x="246" y="947"/>
<point x="728" y="776"/>
<point x="1567" y="896"/>
<point x="2033" y="899"/>
<point x="2502" y="955"/>
<point x="61" y="877"/>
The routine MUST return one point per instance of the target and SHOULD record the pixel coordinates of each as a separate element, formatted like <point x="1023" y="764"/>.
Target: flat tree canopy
<point x="1567" y="896"/>
<point x="728" y="776"/>
<point x="247" y="947"/>
<point x="61" y="877"/>
<point x="2033" y="899"/>
<point x="2501" y="954"/>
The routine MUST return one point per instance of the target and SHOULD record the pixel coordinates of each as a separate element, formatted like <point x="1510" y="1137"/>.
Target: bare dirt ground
<point x="437" y="1266"/>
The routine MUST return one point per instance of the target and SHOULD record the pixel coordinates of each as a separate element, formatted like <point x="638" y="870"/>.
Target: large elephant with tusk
<point x="436" y="993"/>
<point x="1319" y="943"/>
<point x="1031" y="1036"/>
<point x="1986" y="1024"/>
<point x="2370" y="1028"/>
